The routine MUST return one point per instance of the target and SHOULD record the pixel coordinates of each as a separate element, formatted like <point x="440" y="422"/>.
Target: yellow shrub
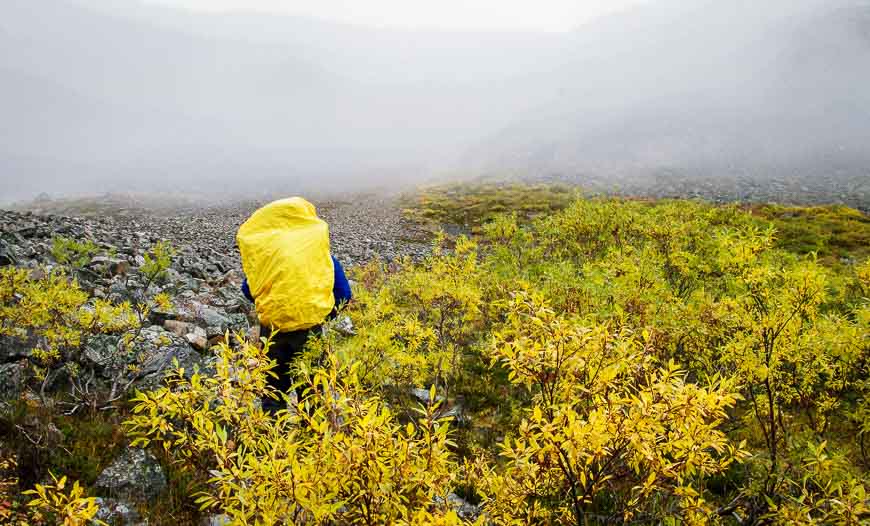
<point x="604" y="420"/>
<point x="70" y="508"/>
<point x="338" y="457"/>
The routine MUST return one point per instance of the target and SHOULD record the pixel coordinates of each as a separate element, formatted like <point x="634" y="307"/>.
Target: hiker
<point x="293" y="280"/>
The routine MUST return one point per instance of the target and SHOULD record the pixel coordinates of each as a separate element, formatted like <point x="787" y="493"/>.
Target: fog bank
<point x="118" y="96"/>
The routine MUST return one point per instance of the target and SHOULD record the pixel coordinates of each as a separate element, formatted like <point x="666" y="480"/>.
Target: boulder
<point x="134" y="475"/>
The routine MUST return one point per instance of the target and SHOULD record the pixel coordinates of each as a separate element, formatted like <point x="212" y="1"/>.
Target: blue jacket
<point x="340" y="289"/>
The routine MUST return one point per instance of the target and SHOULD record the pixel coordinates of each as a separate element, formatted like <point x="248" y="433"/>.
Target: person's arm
<point x="246" y="290"/>
<point x="341" y="288"/>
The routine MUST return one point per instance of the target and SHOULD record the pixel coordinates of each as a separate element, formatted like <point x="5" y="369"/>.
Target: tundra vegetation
<point x="608" y="361"/>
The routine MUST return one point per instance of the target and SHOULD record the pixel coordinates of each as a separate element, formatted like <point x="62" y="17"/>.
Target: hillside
<point x="744" y="90"/>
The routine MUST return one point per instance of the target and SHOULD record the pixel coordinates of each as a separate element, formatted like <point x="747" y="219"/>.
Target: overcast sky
<point x="527" y="15"/>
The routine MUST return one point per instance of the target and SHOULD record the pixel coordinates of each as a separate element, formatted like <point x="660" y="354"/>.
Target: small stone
<point x="179" y="328"/>
<point x="200" y="343"/>
<point x="119" y="267"/>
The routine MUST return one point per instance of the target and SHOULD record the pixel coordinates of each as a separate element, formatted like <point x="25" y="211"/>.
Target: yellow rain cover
<point x="285" y="256"/>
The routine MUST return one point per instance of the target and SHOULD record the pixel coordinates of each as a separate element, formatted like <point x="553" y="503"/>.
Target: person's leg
<point x="285" y="349"/>
<point x="281" y="353"/>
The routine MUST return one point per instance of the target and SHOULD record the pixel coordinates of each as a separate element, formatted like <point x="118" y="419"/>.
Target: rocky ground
<point x="203" y="282"/>
<point x="204" y="279"/>
<point x="362" y="227"/>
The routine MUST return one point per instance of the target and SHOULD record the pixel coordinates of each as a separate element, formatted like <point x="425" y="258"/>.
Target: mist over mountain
<point x="117" y="96"/>
<point x="719" y="87"/>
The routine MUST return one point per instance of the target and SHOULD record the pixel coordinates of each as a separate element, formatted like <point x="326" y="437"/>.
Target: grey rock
<point x="180" y="328"/>
<point x="216" y="520"/>
<point x="194" y="311"/>
<point x="423" y="395"/>
<point x="239" y="320"/>
<point x="101" y="352"/>
<point x="13" y="349"/>
<point x="462" y="507"/>
<point x="157" y="350"/>
<point x="213" y="318"/>
<point x="114" y="266"/>
<point x="117" y="512"/>
<point x="344" y="325"/>
<point x="7" y="256"/>
<point x="192" y="284"/>
<point x="12" y="379"/>
<point x="172" y="275"/>
<point x="118" y="291"/>
<point x="458" y="414"/>
<point x="133" y="475"/>
<point x="213" y="332"/>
